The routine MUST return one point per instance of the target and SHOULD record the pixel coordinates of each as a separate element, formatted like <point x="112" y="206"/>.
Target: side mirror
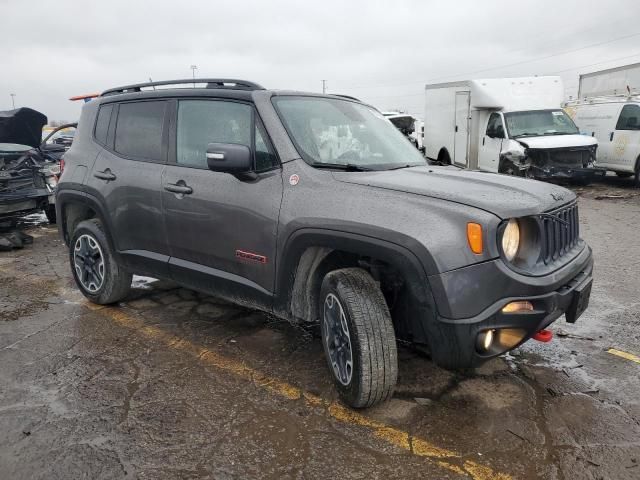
<point x="229" y="158"/>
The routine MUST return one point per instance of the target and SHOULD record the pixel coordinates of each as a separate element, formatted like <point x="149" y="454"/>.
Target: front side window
<point x="629" y="118"/>
<point x="536" y="123"/>
<point x="338" y="132"/>
<point x="495" y="121"/>
<point x="201" y="122"/>
<point x="139" y="130"/>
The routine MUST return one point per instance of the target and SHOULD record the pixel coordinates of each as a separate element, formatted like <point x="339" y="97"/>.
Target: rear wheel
<point x="636" y="177"/>
<point x="95" y="269"/>
<point x="358" y="337"/>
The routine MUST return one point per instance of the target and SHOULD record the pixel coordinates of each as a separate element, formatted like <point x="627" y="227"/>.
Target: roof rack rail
<point x="228" y="83"/>
<point x="348" y="97"/>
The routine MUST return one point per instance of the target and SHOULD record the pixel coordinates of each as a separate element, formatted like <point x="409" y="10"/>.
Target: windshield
<point x="539" y="123"/>
<point x="339" y="132"/>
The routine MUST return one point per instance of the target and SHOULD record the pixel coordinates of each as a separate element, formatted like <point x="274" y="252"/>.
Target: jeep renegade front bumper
<point x="457" y="341"/>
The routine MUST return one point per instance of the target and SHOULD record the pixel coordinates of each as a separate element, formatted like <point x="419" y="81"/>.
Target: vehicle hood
<point x="504" y="196"/>
<point x="557" y="141"/>
<point x="22" y="126"/>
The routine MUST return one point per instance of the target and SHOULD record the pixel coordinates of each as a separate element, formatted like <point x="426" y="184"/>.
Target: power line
<point x="545" y="57"/>
<point x="554" y="72"/>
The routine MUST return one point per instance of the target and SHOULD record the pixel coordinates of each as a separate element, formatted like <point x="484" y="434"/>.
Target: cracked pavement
<point x="174" y="384"/>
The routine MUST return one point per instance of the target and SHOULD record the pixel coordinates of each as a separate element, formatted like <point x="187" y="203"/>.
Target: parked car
<point x="314" y="208"/>
<point x="29" y="167"/>
<point x="608" y="109"/>
<point x="507" y="125"/>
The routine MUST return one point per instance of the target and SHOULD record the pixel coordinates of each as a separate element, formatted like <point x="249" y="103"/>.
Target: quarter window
<point x="629" y="118"/>
<point x="265" y="158"/>
<point x="139" y="130"/>
<point x="102" y="123"/>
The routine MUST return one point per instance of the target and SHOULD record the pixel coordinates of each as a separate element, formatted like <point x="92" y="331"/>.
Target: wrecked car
<point x="507" y="125"/>
<point x="29" y="166"/>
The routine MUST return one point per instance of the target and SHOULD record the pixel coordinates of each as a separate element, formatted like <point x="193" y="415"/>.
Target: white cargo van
<point x="506" y="125"/>
<point x="608" y="108"/>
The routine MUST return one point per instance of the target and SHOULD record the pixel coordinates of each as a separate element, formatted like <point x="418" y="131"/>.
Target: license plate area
<point x="580" y="302"/>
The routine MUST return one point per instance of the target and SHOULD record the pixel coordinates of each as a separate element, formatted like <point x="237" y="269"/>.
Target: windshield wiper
<point x="347" y="167"/>
<point x="408" y="165"/>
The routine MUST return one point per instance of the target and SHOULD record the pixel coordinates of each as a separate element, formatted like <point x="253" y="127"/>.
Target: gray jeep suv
<point x="314" y="208"/>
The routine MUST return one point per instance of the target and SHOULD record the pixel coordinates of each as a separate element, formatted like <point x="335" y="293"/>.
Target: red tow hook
<point x="543" y="336"/>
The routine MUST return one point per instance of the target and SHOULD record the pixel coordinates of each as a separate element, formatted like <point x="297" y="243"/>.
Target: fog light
<point x="485" y="339"/>
<point x="518" y="307"/>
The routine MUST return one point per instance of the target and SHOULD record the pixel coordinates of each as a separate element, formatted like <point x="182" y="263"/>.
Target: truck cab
<point x="513" y="126"/>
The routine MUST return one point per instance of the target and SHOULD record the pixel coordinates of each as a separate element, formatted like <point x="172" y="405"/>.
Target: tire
<point x="50" y="212"/>
<point x="106" y="281"/>
<point x="624" y="174"/>
<point x="351" y="298"/>
<point x="444" y="158"/>
<point x="636" y="177"/>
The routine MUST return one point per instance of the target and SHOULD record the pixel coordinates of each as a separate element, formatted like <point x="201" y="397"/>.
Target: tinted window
<point x="494" y="122"/>
<point x="629" y="118"/>
<point x="102" y="123"/>
<point x="265" y="158"/>
<point x="201" y="122"/>
<point x="139" y="130"/>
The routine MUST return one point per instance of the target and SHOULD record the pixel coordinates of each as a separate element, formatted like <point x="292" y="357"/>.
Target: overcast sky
<point x="380" y="51"/>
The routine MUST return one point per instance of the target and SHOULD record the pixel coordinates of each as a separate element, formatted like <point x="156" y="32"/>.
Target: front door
<point x="222" y="229"/>
<point x="491" y="144"/>
<point x="625" y="141"/>
<point x="461" y="142"/>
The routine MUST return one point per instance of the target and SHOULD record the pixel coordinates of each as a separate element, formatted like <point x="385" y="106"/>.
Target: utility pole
<point x="324" y="86"/>
<point x="193" y="74"/>
<point x="13" y="100"/>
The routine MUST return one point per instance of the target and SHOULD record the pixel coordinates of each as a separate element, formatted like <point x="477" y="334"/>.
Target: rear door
<point x="461" y="142"/>
<point x="127" y="178"/>
<point x="223" y="233"/>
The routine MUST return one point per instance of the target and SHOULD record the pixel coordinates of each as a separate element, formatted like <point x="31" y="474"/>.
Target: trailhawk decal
<point x="251" y="257"/>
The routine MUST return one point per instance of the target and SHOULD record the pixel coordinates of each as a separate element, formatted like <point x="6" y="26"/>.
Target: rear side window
<point x="629" y="118"/>
<point x="102" y="123"/>
<point x="139" y="130"/>
<point x="201" y="122"/>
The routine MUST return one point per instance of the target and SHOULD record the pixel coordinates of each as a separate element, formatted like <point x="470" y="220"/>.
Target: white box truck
<point x="608" y="108"/>
<point x="507" y="125"/>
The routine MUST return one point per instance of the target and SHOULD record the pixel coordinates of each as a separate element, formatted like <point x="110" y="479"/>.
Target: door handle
<point x="177" y="188"/>
<point x="105" y="175"/>
<point x="611" y="137"/>
<point x="483" y="138"/>
<point x="456" y="128"/>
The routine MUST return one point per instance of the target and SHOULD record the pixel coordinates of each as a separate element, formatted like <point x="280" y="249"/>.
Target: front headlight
<point x="511" y="239"/>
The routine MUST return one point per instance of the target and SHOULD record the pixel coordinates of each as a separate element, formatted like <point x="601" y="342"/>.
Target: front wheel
<point x="358" y="337"/>
<point x="95" y="269"/>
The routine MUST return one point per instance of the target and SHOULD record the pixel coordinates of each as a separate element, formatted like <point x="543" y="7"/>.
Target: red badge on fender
<point x="294" y="179"/>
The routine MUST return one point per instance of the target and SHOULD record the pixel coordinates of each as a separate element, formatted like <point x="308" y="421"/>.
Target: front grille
<point x="560" y="232"/>
<point x="571" y="158"/>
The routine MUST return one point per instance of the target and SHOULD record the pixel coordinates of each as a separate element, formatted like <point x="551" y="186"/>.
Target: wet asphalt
<point x="171" y="384"/>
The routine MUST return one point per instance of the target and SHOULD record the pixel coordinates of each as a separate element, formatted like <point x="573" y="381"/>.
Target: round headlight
<point x="511" y="239"/>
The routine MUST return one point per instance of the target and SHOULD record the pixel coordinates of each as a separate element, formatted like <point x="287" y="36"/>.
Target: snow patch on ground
<point x="143" y="283"/>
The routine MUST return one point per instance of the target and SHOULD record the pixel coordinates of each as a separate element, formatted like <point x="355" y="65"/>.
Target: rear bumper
<point x="453" y="341"/>
<point x="15" y="205"/>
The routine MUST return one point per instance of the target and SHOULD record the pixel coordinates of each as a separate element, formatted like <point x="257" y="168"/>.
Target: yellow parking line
<point x="444" y="458"/>
<point x="625" y="355"/>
